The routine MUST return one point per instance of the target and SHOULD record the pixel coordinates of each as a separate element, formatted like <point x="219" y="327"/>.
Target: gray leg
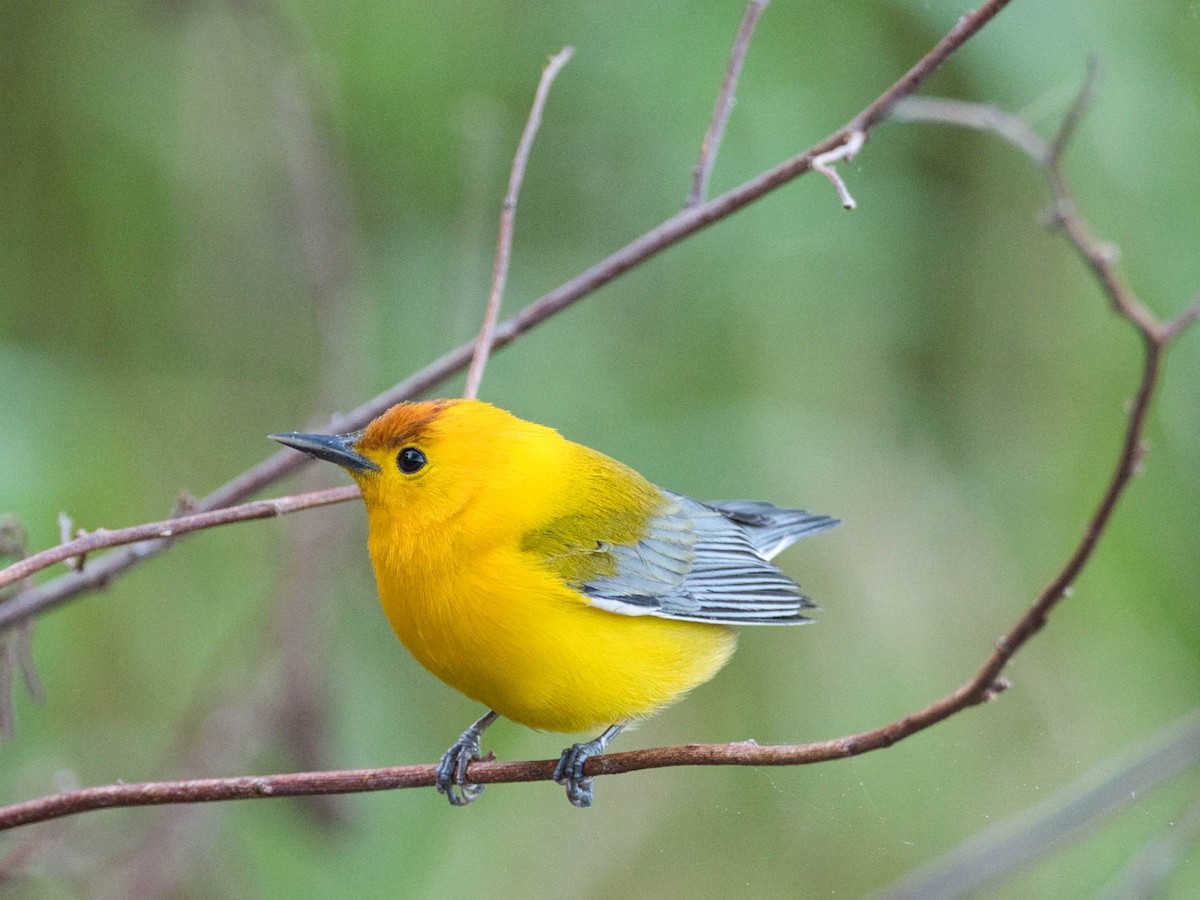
<point x="451" y="777"/>
<point x="569" y="771"/>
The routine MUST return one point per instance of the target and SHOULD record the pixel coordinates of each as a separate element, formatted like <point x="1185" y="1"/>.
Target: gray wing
<point x="709" y="562"/>
<point x="770" y="529"/>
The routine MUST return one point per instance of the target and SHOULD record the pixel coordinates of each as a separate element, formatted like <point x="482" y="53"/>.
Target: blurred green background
<point x="219" y="220"/>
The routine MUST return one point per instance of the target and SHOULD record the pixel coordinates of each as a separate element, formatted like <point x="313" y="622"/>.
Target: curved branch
<point x="675" y="229"/>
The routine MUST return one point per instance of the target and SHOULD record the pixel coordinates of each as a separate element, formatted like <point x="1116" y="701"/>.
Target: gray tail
<point x="771" y="530"/>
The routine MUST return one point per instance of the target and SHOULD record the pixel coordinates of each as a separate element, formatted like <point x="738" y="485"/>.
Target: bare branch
<point x="508" y="214"/>
<point x="1100" y="258"/>
<point x="1070" y="122"/>
<point x="675" y="229"/>
<point x="964" y="29"/>
<point x="978" y="116"/>
<point x="1183" y="320"/>
<point x="724" y="105"/>
<point x="1098" y="255"/>
<point x="745" y="753"/>
<point x="16" y="646"/>
<point x="102" y="538"/>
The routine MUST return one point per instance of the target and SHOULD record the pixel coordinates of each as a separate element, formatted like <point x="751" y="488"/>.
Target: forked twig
<point x="823" y="164"/>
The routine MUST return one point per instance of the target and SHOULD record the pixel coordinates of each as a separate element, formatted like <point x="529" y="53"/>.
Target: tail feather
<point x="771" y="529"/>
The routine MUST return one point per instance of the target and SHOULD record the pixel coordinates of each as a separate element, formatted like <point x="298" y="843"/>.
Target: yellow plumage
<point x="548" y="581"/>
<point x="483" y="612"/>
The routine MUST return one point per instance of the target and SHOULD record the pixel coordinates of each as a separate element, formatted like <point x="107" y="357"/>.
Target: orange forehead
<point x="401" y="424"/>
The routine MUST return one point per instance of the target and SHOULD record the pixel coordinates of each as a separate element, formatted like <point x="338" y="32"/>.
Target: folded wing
<point x="699" y="562"/>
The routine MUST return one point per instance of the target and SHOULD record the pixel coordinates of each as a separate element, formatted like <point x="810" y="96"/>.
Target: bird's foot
<point x="569" y="771"/>
<point x="451" y="777"/>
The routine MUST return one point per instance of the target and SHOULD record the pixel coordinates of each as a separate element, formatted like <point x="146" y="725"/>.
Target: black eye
<point x="410" y="460"/>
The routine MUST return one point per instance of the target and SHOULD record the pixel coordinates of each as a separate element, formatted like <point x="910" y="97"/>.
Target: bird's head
<point x="421" y="464"/>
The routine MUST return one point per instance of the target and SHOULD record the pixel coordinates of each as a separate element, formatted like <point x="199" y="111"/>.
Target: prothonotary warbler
<point x="549" y="582"/>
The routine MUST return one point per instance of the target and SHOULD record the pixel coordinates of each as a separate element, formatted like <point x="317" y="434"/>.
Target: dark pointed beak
<point x="334" y="448"/>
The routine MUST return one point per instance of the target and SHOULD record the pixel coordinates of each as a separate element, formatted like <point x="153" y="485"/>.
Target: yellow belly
<point x="512" y="637"/>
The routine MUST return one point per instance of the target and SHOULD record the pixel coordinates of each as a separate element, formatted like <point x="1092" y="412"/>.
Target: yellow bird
<point x="549" y="582"/>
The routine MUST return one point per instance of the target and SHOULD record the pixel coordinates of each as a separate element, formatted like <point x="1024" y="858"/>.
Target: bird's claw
<point x="569" y="772"/>
<point x="451" y="778"/>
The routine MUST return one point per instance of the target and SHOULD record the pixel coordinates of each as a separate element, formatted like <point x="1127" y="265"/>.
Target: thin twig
<point x="168" y="528"/>
<point x="964" y="29"/>
<point x="508" y="215"/>
<point x="1081" y="104"/>
<point x="978" y="116"/>
<point x="16" y="646"/>
<point x="1182" y="321"/>
<point x="702" y="171"/>
<point x="675" y="229"/>
<point x="1098" y="255"/>
<point x="823" y="164"/>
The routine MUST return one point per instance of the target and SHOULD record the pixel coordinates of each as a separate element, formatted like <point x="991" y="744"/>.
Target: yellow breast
<point x="509" y="634"/>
